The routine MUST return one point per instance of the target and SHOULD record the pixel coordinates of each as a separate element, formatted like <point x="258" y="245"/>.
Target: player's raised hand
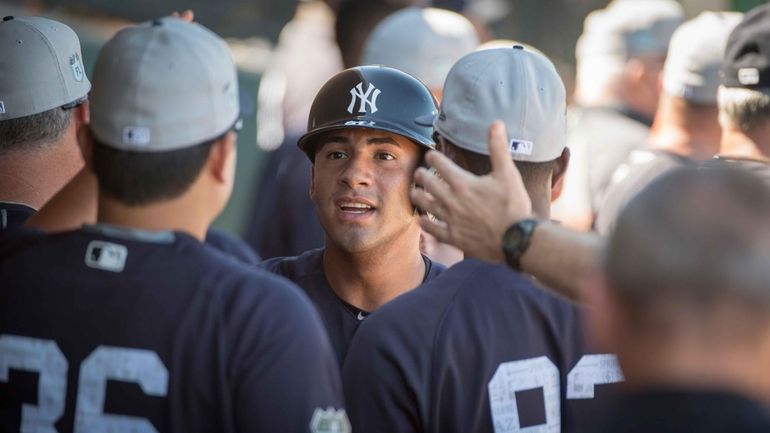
<point x="473" y="211"/>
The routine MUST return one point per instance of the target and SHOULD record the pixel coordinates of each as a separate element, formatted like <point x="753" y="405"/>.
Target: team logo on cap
<point x="368" y="98"/>
<point x="329" y="421"/>
<point x="77" y="67"/>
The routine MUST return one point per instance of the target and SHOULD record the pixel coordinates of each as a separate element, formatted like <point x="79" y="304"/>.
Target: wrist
<point x="516" y="240"/>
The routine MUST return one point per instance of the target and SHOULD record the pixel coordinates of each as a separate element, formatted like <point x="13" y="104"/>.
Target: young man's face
<point x="360" y="186"/>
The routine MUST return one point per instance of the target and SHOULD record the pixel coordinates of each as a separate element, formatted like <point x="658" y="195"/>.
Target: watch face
<point x="513" y="238"/>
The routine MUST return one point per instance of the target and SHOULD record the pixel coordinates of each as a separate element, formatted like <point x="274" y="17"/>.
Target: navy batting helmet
<point x="371" y="97"/>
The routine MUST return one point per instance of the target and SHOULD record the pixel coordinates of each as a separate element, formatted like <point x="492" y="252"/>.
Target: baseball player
<point x="132" y="324"/>
<point x="43" y="102"/>
<point x="365" y="146"/>
<point x="481" y="348"/>
<point x="43" y="105"/>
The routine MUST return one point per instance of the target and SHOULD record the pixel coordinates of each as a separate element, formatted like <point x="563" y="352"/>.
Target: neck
<point x="370" y="279"/>
<point x="183" y="214"/>
<point x="688" y="362"/>
<point x="739" y="144"/>
<point x="681" y="130"/>
<point x="33" y="177"/>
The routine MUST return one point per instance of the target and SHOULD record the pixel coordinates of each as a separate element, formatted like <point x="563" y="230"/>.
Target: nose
<point x="357" y="172"/>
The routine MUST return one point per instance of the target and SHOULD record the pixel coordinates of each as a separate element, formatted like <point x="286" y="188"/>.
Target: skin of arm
<point x="475" y="211"/>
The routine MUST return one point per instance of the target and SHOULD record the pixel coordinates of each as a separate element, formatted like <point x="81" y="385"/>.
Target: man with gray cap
<point x="143" y="328"/>
<point x="620" y="57"/>
<point x="481" y="348"/>
<point x="686" y="125"/>
<point x="43" y="102"/>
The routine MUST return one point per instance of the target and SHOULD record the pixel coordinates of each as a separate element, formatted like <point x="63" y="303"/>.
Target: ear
<point x="559" y="170"/>
<point x="86" y="145"/>
<point x="221" y="160"/>
<point x="83" y="114"/>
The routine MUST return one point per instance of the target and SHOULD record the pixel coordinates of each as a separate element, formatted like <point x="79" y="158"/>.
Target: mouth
<point x="355" y="207"/>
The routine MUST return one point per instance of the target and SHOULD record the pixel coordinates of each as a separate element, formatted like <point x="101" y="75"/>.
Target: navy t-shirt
<point x="478" y="349"/>
<point x="107" y="329"/>
<point x="13" y="215"/>
<point x="340" y="318"/>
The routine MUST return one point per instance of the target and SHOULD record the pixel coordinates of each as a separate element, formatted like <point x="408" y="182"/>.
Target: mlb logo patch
<point x="748" y="76"/>
<point x="106" y="256"/>
<point x="2" y="107"/>
<point x="136" y="135"/>
<point x="521" y="147"/>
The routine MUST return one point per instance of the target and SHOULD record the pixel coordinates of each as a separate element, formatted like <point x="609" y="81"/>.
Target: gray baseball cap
<point x="41" y="66"/>
<point x="163" y="85"/>
<point x="629" y="28"/>
<point x="423" y="42"/>
<point x="695" y="56"/>
<point x="517" y="85"/>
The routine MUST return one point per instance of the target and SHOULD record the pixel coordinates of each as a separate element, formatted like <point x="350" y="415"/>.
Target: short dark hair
<point x="34" y="132"/>
<point x="533" y="173"/>
<point x="141" y="178"/>
<point x="695" y="239"/>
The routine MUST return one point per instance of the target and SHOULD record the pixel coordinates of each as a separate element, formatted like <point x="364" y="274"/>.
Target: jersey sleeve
<point x="284" y="374"/>
<point x="381" y="380"/>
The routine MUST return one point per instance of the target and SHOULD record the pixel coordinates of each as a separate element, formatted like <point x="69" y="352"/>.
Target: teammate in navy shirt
<point x="134" y="324"/>
<point x="340" y="318"/>
<point x="481" y="348"/>
<point x="365" y="146"/>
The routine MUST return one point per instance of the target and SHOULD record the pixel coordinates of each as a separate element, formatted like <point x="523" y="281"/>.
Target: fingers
<point x="187" y="15"/>
<point x="440" y="191"/>
<point x="426" y="202"/>
<point x="448" y="170"/>
<point x="438" y="229"/>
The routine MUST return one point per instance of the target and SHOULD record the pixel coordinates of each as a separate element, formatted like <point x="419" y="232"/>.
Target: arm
<point x="475" y="212"/>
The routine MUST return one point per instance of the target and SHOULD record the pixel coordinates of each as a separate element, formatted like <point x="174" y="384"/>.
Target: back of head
<point x="163" y="92"/>
<point x="42" y="71"/>
<point x="624" y="30"/>
<point x="423" y="42"/>
<point x="744" y="98"/>
<point x="694" y="241"/>
<point x="694" y="60"/>
<point x="520" y="87"/>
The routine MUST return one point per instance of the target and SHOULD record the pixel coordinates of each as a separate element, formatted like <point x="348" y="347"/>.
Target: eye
<point x="385" y="156"/>
<point x="336" y="154"/>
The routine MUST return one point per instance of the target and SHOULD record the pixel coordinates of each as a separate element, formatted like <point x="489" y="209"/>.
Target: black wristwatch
<point x="516" y="241"/>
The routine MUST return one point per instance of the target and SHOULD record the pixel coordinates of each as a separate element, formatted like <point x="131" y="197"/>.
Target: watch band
<point x="516" y="241"/>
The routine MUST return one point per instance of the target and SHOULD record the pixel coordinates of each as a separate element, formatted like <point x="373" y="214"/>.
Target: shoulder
<point x="295" y="267"/>
<point x="232" y="245"/>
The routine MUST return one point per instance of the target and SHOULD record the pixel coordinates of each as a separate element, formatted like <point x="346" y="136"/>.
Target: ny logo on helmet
<point x="358" y="93"/>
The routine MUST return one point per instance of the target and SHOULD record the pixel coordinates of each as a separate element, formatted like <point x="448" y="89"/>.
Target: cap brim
<point x="426" y="120"/>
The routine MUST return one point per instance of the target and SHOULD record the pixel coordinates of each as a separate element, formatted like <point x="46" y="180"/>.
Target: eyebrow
<point x="383" y="140"/>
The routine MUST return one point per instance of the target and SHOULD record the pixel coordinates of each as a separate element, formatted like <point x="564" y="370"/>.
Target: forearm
<point x="563" y="259"/>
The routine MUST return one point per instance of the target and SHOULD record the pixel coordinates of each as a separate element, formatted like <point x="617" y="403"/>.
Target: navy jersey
<point x="340" y="318"/>
<point x="107" y="329"/>
<point x="479" y="349"/>
<point x="13" y="215"/>
<point x="232" y="245"/>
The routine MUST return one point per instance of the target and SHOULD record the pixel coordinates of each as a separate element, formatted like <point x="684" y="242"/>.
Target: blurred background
<point x="285" y="50"/>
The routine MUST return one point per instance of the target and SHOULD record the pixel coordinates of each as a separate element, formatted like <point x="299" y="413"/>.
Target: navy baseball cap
<point x="747" y="56"/>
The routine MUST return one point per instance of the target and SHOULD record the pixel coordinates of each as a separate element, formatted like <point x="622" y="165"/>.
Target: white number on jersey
<point x="114" y="363"/>
<point x="514" y="376"/>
